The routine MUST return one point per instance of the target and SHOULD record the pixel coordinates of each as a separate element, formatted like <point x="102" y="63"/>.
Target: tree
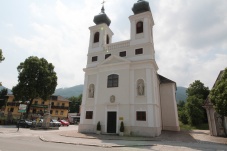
<point x="182" y="112"/>
<point x="198" y="89"/>
<point x="75" y="104"/>
<point x="1" y="56"/>
<point x="218" y="97"/>
<point x="3" y="93"/>
<point x="197" y="93"/>
<point x="36" y="79"/>
<point x="194" y="110"/>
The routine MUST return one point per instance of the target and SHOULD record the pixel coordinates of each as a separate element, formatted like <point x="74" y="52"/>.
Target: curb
<point x="94" y="145"/>
<point x="110" y="138"/>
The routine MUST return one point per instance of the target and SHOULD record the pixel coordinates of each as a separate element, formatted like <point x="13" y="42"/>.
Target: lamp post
<point x="18" y="123"/>
<point x="22" y="109"/>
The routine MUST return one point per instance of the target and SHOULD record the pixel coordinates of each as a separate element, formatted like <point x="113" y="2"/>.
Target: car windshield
<point x="54" y="120"/>
<point x="63" y="120"/>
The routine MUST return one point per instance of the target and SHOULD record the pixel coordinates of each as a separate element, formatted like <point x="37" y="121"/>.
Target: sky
<point x="190" y="36"/>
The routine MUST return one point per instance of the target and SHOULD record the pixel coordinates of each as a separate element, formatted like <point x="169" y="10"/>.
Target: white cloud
<point x="189" y="36"/>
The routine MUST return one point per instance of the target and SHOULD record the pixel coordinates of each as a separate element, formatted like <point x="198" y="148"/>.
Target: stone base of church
<point x="171" y="128"/>
<point x="143" y="131"/>
<point x="86" y="128"/>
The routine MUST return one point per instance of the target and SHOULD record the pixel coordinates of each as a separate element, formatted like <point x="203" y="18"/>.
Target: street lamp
<point x="18" y="123"/>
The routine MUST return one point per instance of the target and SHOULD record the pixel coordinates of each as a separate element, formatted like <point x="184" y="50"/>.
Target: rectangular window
<point x="62" y="112"/>
<point x="95" y="58"/>
<point x="52" y="103"/>
<point x="43" y="103"/>
<point x="56" y="112"/>
<point x="139" y="51"/>
<point x="141" y="116"/>
<point x="89" y="114"/>
<point x="63" y="104"/>
<point x="112" y="81"/>
<point x="51" y="111"/>
<point x="107" y="55"/>
<point x="36" y="102"/>
<point x="122" y="54"/>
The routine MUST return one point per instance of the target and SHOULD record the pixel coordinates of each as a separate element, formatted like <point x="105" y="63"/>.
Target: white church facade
<point x="122" y="83"/>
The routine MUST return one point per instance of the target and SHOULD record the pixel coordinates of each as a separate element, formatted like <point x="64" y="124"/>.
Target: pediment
<point x="114" y="60"/>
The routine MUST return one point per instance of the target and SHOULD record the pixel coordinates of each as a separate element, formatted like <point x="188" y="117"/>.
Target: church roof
<point x="140" y="7"/>
<point x="164" y="79"/>
<point x="102" y="18"/>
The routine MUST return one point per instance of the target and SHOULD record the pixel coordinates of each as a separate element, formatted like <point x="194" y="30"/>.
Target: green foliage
<point x="3" y="94"/>
<point x="1" y="56"/>
<point x="74" y="106"/>
<point x="218" y="96"/>
<point x="198" y="89"/>
<point x="36" y="79"/>
<point x="194" y="111"/>
<point x="122" y="127"/>
<point x="181" y="112"/>
<point x="203" y="126"/>
<point x="98" y="126"/>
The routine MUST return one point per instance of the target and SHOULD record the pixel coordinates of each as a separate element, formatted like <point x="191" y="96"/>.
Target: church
<point x="121" y="81"/>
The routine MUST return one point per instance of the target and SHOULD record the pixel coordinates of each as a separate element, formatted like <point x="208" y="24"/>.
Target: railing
<point x="118" y="45"/>
<point x="59" y="107"/>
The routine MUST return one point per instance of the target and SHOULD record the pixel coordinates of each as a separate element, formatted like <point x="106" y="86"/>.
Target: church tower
<point x="121" y="81"/>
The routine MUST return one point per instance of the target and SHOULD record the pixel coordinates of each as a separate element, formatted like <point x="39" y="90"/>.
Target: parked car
<point x="64" y="122"/>
<point x="24" y="123"/>
<point x="55" y="123"/>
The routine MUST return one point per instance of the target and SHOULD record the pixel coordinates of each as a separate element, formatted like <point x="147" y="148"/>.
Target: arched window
<point x="91" y="91"/>
<point x="139" y="27"/>
<point x="112" y="81"/>
<point x="96" y="37"/>
<point x="107" y="39"/>
<point x="140" y="87"/>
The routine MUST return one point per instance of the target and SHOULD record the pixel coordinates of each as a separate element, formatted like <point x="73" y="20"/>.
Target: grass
<point x="203" y="126"/>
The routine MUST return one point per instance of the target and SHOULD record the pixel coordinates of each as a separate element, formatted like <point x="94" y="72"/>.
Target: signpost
<point x="22" y="109"/>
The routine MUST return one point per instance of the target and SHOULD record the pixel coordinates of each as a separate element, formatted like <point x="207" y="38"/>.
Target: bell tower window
<point x="96" y="37"/>
<point x="139" y="27"/>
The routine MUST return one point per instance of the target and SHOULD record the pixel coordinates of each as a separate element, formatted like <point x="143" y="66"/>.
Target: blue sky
<point x="190" y="36"/>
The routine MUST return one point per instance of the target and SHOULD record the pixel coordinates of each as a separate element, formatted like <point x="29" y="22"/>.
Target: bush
<point x="183" y="116"/>
<point x="98" y="126"/>
<point x="122" y="128"/>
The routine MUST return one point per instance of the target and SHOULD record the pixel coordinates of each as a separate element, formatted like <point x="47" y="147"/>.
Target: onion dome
<point x="102" y="18"/>
<point x="140" y="7"/>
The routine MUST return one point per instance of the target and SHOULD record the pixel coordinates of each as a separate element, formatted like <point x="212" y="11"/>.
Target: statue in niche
<point x="140" y="87"/>
<point x="91" y="91"/>
<point x="112" y="98"/>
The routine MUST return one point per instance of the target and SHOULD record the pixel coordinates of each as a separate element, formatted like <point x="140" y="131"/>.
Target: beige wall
<point x="169" y="107"/>
<point x="39" y="102"/>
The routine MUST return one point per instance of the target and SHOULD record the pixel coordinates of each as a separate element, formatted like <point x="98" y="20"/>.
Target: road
<point x="26" y="140"/>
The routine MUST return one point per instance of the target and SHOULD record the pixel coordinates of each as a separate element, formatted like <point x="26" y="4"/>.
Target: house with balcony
<point x="59" y="107"/>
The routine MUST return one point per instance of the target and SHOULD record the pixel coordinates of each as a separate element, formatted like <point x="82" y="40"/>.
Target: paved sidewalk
<point x="184" y="140"/>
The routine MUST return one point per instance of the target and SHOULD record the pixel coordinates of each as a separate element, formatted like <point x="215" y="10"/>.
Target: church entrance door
<point x="111" y="122"/>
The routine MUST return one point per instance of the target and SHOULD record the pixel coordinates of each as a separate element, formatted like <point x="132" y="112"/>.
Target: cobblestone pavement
<point x="184" y="140"/>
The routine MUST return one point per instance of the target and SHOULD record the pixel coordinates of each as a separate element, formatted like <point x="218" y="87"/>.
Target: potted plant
<point x="122" y="128"/>
<point x="98" y="128"/>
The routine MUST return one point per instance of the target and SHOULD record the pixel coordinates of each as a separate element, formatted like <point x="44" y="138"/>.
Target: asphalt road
<point x="28" y="140"/>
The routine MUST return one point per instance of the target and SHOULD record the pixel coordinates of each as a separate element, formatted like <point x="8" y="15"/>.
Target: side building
<point x="59" y="107"/>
